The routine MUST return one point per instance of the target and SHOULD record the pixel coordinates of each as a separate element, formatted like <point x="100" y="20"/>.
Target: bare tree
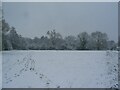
<point x="99" y="40"/>
<point x="83" y="38"/>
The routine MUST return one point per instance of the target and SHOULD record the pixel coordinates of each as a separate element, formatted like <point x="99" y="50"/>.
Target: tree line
<point x="53" y="40"/>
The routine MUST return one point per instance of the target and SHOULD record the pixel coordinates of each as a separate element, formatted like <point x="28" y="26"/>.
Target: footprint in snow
<point x="36" y="73"/>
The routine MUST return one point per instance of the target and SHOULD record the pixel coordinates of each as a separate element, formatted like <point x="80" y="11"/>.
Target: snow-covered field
<point x="60" y="69"/>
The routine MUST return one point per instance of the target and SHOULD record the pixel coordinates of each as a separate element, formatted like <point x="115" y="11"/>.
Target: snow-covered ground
<point x="60" y="69"/>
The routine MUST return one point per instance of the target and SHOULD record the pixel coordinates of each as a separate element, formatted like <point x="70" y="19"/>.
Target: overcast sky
<point x="35" y="19"/>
